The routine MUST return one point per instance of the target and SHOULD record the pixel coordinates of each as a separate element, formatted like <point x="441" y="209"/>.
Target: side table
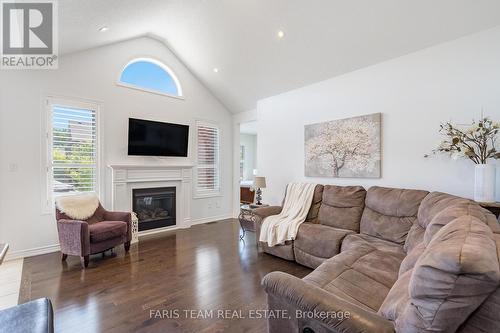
<point x="247" y="218"/>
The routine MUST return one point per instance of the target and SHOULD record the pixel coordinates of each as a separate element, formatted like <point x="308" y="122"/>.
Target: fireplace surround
<point x="129" y="179"/>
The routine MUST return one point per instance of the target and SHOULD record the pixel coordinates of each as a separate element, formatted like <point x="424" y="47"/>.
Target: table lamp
<point x="259" y="183"/>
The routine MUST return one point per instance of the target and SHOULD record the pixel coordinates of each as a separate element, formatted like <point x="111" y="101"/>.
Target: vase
<point x="484" y="185"/>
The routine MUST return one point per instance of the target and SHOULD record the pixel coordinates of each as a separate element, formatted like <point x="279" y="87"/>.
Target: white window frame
<point x="242" y="161"/>
<point x="48" y="198"/>
<point x="199" y="194"/>
<point x="152" y="91"/>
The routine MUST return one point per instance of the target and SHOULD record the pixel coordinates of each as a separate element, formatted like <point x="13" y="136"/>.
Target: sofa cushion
<point x="415" y="237"/>
<point x="389" y="212"/>
<point x="397" y="298"/>
<point x="316" y="243"/>
<point x="362" y="276"/>
<point x="434" y="204"/>
<point x="104" y="230"/>
<point x="284" y="251"/>
<point x="436" y="210"/>
<point x="451" y="213"/>
<point x="411" y="258"/>
<point x="493" y="222"/>
<point x="457" y="271"/>
<point x="312" y="215"/>
<point x="485" y="318"/>
<point x="352" y="242"/>
<point x="342" y="206"/>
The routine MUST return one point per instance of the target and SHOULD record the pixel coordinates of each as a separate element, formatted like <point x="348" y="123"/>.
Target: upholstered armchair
<point x="86" y="228"/>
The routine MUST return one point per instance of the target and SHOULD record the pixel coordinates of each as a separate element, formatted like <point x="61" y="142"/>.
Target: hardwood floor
<point x="203" y="268"/>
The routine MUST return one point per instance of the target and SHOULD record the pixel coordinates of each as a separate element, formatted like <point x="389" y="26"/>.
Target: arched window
<point x="150" y="75"/>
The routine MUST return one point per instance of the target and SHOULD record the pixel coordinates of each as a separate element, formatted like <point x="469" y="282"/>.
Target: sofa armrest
<point x="309" y="298"/>
<point x="260" y="214"/>
<point x="74" y="237"/>
<point x="264" y="212"/>
<point x="120" y="216"/>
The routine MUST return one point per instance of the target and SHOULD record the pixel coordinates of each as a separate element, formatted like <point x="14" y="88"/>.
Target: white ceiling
<point x="323" y="38"/>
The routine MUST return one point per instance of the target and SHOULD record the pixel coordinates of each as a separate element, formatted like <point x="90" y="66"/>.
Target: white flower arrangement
<point x="478" y="142"/>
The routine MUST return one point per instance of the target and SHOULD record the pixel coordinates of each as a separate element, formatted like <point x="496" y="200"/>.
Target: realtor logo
<point x="29" y="38"/>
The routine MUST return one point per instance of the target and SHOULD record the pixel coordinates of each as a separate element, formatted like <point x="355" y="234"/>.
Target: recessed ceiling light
<point x="103" y="29"/>
<point x="281" y="34"/>
<point x="216" y="70"/>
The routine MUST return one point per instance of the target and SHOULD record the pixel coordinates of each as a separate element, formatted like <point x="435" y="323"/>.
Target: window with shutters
<point x="208" y="160"/>
<point x="72" y="141"/>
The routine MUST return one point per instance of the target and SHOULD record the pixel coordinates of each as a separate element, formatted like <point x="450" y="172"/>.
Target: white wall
<point x="92" y="75"/>
<point x="414" y="93"/>
<point x="249" y="141"/>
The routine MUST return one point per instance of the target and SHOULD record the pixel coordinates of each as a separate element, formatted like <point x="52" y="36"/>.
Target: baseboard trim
<point x="55" y="247"/>
<point x="145" y="233"/>
<point x="211" y="219"/>
<point x="33" y="252"/>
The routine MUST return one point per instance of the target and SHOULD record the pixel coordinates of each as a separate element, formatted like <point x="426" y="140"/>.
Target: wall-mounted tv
<point x="153" y="138"/>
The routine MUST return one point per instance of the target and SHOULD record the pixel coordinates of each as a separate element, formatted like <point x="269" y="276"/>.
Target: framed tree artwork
<point x="344" y="148"/>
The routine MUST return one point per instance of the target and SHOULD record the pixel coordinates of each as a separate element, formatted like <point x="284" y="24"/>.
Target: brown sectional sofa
<point x="388" y="260"/>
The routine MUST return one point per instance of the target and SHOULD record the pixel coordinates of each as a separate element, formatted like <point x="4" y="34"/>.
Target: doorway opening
<point x="247" y="161"/>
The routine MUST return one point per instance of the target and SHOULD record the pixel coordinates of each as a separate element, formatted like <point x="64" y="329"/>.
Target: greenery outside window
<point x="73" y="156"/>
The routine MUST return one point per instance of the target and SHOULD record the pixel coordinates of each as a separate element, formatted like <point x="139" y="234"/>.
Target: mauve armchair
<point x="102" y="231"/>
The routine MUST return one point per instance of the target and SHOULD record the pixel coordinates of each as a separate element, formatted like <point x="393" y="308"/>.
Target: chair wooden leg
<point x="64" y="256"/>
<point x="127" y="246"/>
<point x="85" y="261"/>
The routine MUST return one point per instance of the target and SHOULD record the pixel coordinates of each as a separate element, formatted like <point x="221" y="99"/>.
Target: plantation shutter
<point x="73" y="150"/>
<point x="207" y="174"/>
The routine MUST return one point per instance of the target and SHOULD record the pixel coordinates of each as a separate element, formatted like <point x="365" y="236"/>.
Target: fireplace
<point x="155" y="207"/>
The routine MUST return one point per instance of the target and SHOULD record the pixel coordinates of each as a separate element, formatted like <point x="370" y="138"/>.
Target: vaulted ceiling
<point x="322" y="38"/>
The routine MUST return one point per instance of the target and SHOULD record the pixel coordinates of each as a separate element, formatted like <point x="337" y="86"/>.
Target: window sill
<point x="151" y="91"/>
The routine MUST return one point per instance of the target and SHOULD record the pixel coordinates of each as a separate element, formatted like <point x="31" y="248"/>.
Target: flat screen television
<point x="153" y="138"/>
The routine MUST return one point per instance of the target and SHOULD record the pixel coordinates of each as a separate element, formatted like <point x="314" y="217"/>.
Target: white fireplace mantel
<point x="126" y="177"/>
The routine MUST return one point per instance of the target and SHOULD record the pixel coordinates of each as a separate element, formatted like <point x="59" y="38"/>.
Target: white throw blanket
<point x="78" y="206"/>
<point x="279" y="228"/>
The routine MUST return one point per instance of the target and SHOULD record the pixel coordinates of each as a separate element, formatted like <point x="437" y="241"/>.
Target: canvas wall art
<point x="344" y="148"/>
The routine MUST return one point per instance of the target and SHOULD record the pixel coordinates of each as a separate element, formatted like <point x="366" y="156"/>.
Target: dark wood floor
<point x="205" y="267"/>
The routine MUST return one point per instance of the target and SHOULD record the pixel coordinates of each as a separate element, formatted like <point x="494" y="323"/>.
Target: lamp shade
<point x="259" y="182"/>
